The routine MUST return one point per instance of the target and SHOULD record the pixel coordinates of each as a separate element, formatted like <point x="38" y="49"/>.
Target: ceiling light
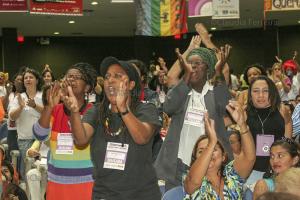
<point x="122" y="1"/>
<point x="71" y="22"/>
<point x="213" y="28"/>
<point x="299" y="22"/>
<point x="56" y="33"/>
<point x="94" y="3"/>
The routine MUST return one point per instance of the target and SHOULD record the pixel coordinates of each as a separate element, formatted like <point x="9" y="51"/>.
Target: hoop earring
<point x="86" y="97"/>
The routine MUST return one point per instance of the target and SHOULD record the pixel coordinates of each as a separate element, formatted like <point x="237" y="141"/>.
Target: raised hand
<point x="122" y="94"/>
<point x="195" y="42"/>
<point x="21" y="100"/>
<point x="210" y="129"/>
<point x="185" y="66"/>
<point x="237" y="112"/>
<point x="222" y="56"/>
<point x="54" y="94"/>
<point x="278" y="59"/>
<point x="202" y="31"/>
<point x="70" y="100"/>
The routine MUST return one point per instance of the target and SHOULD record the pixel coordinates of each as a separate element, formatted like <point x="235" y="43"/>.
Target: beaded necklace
<point x="107" y="126"/>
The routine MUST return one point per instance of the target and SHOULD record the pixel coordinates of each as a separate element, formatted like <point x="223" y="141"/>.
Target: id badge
<point x="162" y="96"/>
<point x="65" y="144"/>
<point x="263" y="144"/>
<point x="194" y="117"/>
<point x="116" y="155"/>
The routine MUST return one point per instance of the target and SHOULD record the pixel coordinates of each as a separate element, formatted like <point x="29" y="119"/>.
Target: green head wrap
<point x="207" y="55"/>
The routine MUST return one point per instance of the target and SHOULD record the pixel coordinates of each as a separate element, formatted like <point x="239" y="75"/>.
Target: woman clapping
<point x="209" y="177"/>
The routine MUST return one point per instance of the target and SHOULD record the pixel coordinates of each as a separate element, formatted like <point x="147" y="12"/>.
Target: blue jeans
<point x="24" y="145"/>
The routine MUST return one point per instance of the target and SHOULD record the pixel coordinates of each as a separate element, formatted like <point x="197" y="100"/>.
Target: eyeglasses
<point x="196" y="63"/>
<point x="277" y="69"/>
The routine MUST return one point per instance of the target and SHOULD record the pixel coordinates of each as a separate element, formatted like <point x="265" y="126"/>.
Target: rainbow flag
<point x="161" y="17"/>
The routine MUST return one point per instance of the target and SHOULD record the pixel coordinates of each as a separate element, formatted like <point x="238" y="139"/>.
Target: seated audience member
<point x="209" y="176"/>
<point x="289" y="181"/>
<point x="14" y="192"/>
<point x="37" y="177"/>
<point x="5" y="164"/>
<point x="278" y="196"/>
<point x="284" y="154"/>
<point x="7" y="171"/>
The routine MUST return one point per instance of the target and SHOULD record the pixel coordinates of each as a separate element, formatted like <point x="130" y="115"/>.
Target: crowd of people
<point x="146" y="132"/>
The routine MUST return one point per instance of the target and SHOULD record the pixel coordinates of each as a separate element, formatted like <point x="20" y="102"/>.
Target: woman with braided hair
<point x="69" y="166"/>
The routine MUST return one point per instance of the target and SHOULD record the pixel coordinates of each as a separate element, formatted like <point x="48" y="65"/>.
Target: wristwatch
<point x="125" y="112"/>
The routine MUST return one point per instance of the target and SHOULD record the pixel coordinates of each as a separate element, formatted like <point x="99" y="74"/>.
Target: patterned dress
<point x="233" y="185"/>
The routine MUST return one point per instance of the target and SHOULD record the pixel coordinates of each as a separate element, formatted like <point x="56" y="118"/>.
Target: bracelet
<point x="220" y="78"/>
<point x="244" y="132"/>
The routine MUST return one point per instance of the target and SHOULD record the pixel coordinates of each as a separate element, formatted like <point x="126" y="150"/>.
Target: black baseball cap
<point x="127" y="67"/>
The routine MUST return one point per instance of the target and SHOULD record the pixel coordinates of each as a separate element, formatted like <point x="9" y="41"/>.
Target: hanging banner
<point x="281" y="5"/>
<point x="13" y="6"/>
<point x="56" y="7"/>
<point x="226" y="9"/>
<point x="200" y="8"/>
<point x="161" y="18"/>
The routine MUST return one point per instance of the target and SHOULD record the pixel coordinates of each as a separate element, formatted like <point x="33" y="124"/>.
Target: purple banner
<point x="200" y="8"/>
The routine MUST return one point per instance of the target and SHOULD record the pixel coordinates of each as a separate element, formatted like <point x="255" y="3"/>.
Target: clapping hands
<point x="222" y="56"/>
<point x="184" y="65"/>
<point x="237" y="112"/>
<point x="122" y="94"/>
<point x="210" y="129"/>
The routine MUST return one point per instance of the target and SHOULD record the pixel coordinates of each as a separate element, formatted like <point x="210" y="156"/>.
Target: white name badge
<point x="115" y="157"/>
<point x="65" y="144"/>
<point x="43" y="161"/>
<point x="194" y="117"/>
<point x="162" y="96"/>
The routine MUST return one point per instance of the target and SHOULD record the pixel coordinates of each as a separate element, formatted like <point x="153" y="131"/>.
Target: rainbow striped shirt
<point x="71" y="168"/>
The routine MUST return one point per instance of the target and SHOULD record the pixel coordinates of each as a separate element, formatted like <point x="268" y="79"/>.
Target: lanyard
<point x="263" y="122"/>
